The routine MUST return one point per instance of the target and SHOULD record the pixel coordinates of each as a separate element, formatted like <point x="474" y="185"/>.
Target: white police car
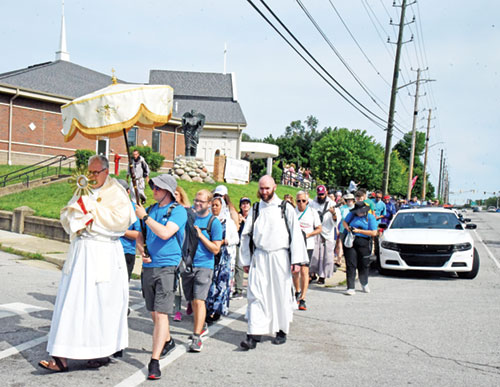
<point x="429" y="238"/>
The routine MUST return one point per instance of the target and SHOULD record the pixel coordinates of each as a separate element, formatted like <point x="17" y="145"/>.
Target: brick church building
<point x="31" y="121"/>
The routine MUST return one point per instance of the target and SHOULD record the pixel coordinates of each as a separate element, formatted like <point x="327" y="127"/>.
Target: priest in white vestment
<point x="90" y="312"/>
<point x="270" y="297"/>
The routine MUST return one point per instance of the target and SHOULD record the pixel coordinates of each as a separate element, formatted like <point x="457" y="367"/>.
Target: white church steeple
<point x="63" y="54"/>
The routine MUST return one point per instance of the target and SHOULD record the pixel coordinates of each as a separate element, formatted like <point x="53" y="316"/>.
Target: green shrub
<point x="154" y="159"/>
<point x="82" y="157"/>
<point x="277" y="172"/>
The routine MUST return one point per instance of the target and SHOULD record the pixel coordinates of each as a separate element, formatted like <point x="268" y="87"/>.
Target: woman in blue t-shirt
<point x="363" y="225"/>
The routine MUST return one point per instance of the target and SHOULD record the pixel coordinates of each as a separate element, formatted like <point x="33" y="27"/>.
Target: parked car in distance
<point x="476" y="209"/>
<point x="431" y="239"/>
<point x="492" y="209"/>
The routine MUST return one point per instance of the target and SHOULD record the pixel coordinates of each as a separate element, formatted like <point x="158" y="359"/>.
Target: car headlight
<point x="462" y="246"/>
<point x="390" y="246"/>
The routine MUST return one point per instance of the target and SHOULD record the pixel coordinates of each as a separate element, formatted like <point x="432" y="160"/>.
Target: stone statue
<point x="192" y="125"/>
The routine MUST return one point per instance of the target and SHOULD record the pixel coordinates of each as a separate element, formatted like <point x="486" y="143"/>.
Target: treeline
<point x="337" y="156"/>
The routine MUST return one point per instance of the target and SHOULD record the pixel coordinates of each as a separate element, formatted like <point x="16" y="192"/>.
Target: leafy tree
<point x="398" y="175"/>
<point x="296" y="144"/>
<point x="404" y="148"/>
<point x="342" y="155"/>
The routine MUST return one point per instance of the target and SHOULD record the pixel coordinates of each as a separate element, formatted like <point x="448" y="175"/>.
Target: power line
<point x="365" y="88"/>
<point x="314" y="68"/>
<point x="357" y="44"/>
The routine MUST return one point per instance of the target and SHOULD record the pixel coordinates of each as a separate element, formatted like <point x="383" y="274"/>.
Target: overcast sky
<point x="457" y="41"/>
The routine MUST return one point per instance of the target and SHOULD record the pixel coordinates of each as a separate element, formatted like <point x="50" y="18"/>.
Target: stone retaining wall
<point x="19" y="221"/>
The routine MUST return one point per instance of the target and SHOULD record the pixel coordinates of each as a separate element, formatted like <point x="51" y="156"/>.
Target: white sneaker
<point x="350" y="292"/>
<point x="366" y="289"/>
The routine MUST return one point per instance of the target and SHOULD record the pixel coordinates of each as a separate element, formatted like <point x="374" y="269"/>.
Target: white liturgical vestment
<point x="270" y="298"/>
<point x="90" y="312"/>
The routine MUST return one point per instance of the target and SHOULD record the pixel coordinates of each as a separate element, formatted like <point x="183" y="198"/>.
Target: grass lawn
<point x="47" y="201"/>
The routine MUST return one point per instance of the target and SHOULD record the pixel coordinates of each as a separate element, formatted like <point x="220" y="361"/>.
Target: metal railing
<point x="38" y="170"/>
<point x="297" y="180"/>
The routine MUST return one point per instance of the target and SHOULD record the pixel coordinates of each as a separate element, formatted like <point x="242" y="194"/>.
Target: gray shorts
<point x="196" y="283"/>
<point x="158" y="288"/>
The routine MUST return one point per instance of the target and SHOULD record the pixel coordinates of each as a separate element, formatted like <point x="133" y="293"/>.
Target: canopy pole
<point x="136" y="190"/>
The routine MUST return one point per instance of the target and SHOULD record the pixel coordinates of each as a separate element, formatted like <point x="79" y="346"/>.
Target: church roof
<point x="60" y="78"/>
<point x="211" y="94"/>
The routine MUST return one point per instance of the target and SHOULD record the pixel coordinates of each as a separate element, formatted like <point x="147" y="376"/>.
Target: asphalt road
<point x="413" y="329"/>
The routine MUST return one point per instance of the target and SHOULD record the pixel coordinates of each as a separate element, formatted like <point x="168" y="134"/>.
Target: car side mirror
<point x="382" y="226"/>
<point x="471" y="226"/>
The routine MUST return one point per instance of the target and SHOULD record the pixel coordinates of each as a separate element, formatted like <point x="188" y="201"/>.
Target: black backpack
<point x="190" y="242"/>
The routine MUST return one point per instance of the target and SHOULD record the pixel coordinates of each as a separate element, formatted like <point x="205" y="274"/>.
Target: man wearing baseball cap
<point x="322" y="263"/>
<point x="163" y="221"/>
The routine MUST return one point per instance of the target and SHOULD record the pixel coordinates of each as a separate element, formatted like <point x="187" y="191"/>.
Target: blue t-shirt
<point x="380" y="209"/>
<point x="166" y="252"/>
<point x="203" y="257"/>
<point x="367" y="222"/>
<point x="129" y="244"/>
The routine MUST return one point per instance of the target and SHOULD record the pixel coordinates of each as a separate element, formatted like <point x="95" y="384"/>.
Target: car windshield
<point x="426" y="220"/>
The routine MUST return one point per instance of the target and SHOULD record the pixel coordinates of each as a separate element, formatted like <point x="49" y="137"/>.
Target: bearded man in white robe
<point x="90" y="312"/>
<point x="277" y="252"/>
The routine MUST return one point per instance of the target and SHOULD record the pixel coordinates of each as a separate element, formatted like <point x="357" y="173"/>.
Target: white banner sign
<point x="237" y="171"/>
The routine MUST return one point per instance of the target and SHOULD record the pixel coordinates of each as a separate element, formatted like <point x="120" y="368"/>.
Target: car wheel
<point x="475" y="268"/>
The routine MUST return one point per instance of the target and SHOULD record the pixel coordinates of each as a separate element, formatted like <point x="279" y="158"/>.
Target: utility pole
<point x="424" y="183"/>
<point x="413" y="137"/>
<point x="394" y="90"/>
<point x="440" y="175"/>
<point x="446" y="183"/>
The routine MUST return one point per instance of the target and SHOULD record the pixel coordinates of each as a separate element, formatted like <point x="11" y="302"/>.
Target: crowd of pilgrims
<point x="308" y="244"/>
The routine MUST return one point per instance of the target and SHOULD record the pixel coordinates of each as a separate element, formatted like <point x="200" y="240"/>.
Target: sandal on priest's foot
<point x="55" y="365"/>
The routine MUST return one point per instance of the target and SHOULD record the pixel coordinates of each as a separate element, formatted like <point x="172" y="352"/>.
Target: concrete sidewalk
<point x="55" y="252"/>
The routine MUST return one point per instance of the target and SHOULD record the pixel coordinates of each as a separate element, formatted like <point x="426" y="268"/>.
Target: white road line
<point x="18" y="308"/>
<point x="487" y="250"/>
<point x="33" y="343"/>
<point x="22" y="347"/>
<point x="141" y="375"/>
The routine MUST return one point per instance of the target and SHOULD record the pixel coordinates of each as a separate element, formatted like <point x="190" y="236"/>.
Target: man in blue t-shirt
<point x="380" y="208"/>
<point x="196" y="282"/>
<point x="164" y="222"/>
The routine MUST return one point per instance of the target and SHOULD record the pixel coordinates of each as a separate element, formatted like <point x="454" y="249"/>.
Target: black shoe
<point x="321" y="281"/>
<point x="168" y="347"/>
<point x="280" y="338"/>
<point x="297" y="296"/>
<point x="154" y="372"/>
<point x="313" y="278"/>
<point x="302" y="305"/>
<point x="118" y="353"/>
<point x="248" y="343"/>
